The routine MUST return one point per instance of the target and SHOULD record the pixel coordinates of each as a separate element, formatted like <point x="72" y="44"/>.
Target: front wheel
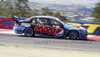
<point x="29" y="32"/>
<point x="73" y="34"/>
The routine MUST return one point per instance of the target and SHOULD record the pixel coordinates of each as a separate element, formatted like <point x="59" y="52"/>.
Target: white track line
<point x="90" y="35"/>
<point x="8" y="32"/>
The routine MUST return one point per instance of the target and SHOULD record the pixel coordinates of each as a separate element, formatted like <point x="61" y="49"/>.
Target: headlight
<point x="82" y="28"/>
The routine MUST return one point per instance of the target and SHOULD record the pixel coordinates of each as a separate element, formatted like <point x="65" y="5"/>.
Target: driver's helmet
<point x="39" y="21"/>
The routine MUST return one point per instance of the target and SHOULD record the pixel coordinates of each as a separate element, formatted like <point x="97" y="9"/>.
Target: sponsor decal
<point x="59" y="32"/>
<point x="25" y="24"/>
<point x="49" y="30"/>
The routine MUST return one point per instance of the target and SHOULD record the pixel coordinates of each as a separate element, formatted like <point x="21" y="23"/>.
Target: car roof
<point x="49" y="17"/>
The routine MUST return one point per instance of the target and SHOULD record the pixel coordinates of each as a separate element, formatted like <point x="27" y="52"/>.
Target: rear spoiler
<point x="16" y="18"/>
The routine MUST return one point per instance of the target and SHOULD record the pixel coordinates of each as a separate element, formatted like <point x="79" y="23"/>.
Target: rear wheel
<point x="73" y="34"/>
<point x="29" y="32"/>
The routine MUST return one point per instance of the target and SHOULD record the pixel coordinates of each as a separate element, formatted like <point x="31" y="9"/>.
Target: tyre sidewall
<point x="74" y="36"/>
<point x="29" y="35"/>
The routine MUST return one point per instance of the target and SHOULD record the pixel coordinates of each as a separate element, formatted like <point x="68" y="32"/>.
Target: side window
<point x="42" y="21"/>
<point x="54" y="22"/>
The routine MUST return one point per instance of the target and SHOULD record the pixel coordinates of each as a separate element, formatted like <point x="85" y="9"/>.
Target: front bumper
<point x="83" y="36"/>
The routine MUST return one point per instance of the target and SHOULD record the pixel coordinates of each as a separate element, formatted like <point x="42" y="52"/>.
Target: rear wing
<point x="16" y="18"/>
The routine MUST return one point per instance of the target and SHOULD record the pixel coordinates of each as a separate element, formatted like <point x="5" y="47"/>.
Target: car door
<point x="58" y="28"/>
<point x="42" y="25"/>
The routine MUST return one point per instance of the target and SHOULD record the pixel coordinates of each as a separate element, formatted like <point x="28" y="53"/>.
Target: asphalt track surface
<point x="11" y="39"/>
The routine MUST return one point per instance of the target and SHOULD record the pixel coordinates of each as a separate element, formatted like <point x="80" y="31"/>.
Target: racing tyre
<point x="29" y="32"/>
<point x="73" y="34"/>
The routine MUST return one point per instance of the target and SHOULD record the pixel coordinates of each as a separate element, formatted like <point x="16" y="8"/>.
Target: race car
<point x="47" y="26"/>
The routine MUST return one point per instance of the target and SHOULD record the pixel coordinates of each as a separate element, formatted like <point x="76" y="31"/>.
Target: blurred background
<point x="71" y="10"/>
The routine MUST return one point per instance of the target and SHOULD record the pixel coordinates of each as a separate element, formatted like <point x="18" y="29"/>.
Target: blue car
<point x="46" y="26"/>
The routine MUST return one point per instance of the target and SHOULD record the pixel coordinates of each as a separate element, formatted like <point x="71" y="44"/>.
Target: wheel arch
<point x="30" y="28"/>
<point x="73" y="30"/>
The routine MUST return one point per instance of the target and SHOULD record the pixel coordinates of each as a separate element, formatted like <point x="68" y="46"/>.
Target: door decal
<point x="49" y="30"/>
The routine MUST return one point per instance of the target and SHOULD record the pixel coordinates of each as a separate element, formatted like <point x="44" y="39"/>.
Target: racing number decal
<point x="46" y="29"/>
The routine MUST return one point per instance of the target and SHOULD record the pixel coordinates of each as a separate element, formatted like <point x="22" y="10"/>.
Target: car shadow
<point x="55" y="38"/>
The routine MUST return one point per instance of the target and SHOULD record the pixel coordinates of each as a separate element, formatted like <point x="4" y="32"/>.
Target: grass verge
<point x="19" y="51"/>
